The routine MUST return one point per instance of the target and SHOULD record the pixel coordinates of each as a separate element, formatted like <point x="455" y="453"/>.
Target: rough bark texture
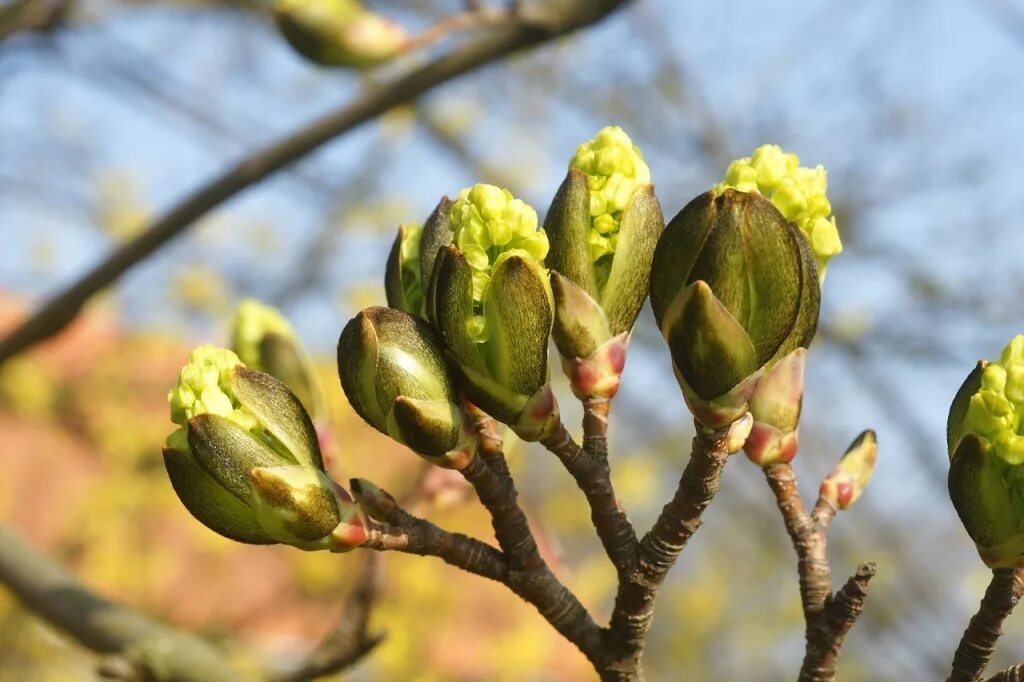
<point x="827" y="617"/>
<point x="979" y="640"/>
<point x="656" y="554"/>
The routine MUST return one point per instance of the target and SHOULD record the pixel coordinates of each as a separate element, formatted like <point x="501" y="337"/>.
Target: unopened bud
<point x="850" y="477"/>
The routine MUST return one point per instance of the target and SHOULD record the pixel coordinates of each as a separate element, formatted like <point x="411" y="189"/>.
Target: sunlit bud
<point x="403" y="282"/>
<point x="603" y="224"/>
<point x="264" y="340"/>
<point x="734" y="289"/>
<point x="738" y="433"/>
<point x="338" y="32"/>
<point x="246" y="462"/>
<point x="775" y="407"/>
<point x="490" y="299"/>
<point x="850" y="477"/>
<point x="986" y="476"/>
<point x="393" y="372"/>
<point x="797" y="191"/>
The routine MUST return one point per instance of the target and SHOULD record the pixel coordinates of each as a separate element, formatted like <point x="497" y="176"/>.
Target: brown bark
<point x="658" y="551"/>
<point x="979" y="640"/>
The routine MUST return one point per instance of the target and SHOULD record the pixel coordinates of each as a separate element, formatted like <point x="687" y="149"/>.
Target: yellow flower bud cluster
<point x="204" y="386"/>
<point x="488" y="225"/>
<point x="615" y="168"/>
<point x="996" y="411"/>
<point x="797" y="191"/>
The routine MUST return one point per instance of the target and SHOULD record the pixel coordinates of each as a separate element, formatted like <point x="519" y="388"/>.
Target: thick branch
<point x="546" y="22"/>
<point x="979" y="640"/>
<point x="658" y="551"/>
<point x="842" y="612"/>
<point x="512" y="530"/>
<point x="103" y="626"/>
<point x="589" y="467"/>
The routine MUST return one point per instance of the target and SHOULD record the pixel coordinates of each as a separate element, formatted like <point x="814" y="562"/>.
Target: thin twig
<point x="102" y="626"/>
<point x="589" y="467"/>
<point x="349" y="640"/>
<point x="658" y="551"/>
<point x="539" y="587"/>
<point x="979" y="640"/>
<point x="554" y="20"/>
<point x="827" y="617"/>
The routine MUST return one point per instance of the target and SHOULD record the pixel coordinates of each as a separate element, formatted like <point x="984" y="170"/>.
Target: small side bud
<point x="403" y="280"/>
<point x="338" y="32"/>
<point x="264" y="340"/>
<point x="739" y="432"/>
<point x="850" y="477"/>
<point x="775" y="407"/>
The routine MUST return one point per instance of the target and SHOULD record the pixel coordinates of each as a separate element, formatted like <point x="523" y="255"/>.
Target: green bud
<point x="775" y="407"/>
<point x="797" y="191"/>
<point x="490" y="299"/>
<point x="850" y="477"/>
<point x="403" y="282"/>
<point x="604" y="223"/>
<point x="246" y="441"/>
<point x="264" y="340"/>
<point x="338" y="32"/>
<point x="295" y="504"/>
<point x="985" y="435"/>
<point x="734" y="289"/>
<point x="393" y="372"/>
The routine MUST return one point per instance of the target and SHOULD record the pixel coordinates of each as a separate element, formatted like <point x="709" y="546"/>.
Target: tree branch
<point x="349" y="641"/>
<point x="1014" y="674"/>
<point x="658" y="550"/>
<point x="103" y="626"/>
<point x="543" y="23"/>
<point x="979" y="640"/>
<point x="589" y="467"/>
<point x="538" y="586"/>
<point x="827" y="617"/>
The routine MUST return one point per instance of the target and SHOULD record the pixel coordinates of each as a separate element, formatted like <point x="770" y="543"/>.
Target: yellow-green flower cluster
<point x="797" y="191"/>
<point x="253" y="321"/>
<point x="488" y="225"/>
<point x="996" y="411"/>
<point x="204" y="386"/>
<point x="615" y="168"/>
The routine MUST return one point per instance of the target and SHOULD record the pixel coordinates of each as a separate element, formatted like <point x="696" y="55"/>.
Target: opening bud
<point x="393" y="372"/>
<point x="245" y="460"/>
<point x="985" y="435"/>
<point x="734" y="288"/>
<point x="797" y="191"/>
<point x="490" y="299"/>
<point x="604" y="223"/>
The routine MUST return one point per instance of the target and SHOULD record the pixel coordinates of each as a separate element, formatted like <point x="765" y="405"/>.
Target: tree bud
<point x="734" y="288"/>
<point x="797" y="191"/>
<point x="850" y="477"/>
<point x="604" y="223"/>
<point x="264" y="340"/>
<point x="490" y="299"/>
<point x="986" y="447"/>
<point x="245" y="461"/>
<point x="775" y="406"/>
<point x="338" y="32"/>
<point x="393" y="372"/>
